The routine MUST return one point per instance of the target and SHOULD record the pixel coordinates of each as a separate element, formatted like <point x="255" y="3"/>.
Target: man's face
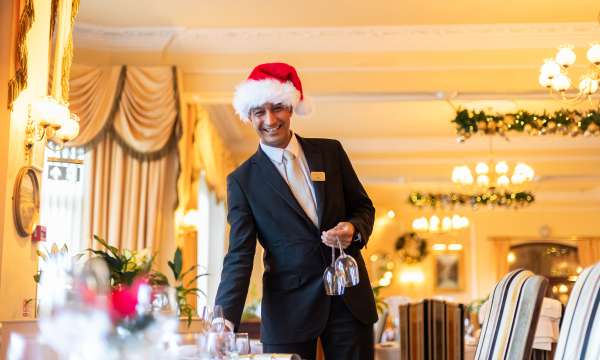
<point x="272" y="124"/>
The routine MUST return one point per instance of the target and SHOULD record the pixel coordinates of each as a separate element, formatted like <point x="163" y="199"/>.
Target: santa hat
<point x="275" y="83"/>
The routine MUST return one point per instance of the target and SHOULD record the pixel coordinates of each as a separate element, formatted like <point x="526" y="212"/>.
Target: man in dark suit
<point x="297" y="196"/>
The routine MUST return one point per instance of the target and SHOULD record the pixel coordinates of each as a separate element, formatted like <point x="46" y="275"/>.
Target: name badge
<point x="317" y="176"/>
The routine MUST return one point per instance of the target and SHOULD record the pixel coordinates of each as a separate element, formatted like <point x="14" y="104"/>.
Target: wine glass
<point x="346" y="268"/>
<point x="334" y="284"/>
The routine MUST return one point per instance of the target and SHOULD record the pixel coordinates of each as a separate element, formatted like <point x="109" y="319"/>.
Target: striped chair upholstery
<point x="580" y="330"/>
<point x="431" y="330"/>
<point x="511" y="317"/>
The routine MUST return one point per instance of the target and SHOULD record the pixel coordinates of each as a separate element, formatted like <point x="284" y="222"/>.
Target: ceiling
<point x="385" y="77"/>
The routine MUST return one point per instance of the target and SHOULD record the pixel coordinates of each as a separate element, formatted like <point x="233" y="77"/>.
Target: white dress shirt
<point x="276" y="156"/>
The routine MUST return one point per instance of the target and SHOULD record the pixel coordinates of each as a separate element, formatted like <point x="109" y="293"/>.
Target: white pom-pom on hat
<point x="276" y="83"/>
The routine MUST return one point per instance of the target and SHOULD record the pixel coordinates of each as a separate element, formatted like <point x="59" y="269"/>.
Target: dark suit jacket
<point x="261" y="206"/>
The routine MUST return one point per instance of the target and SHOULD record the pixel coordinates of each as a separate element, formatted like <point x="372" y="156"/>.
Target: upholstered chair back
<point x="580" y="330"/>
<point x="431" y="330"/>
<point x="511" y="317"/>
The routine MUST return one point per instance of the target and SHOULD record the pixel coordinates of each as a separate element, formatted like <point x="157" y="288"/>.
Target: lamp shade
<point x="68" y="130"/>
<point x="47" y="111"/>
<point x="565" y="56"/>
<point x="593" y="54"/>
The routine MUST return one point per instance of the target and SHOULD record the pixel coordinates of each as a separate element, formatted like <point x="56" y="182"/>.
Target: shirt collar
<point x="276" y="154"/>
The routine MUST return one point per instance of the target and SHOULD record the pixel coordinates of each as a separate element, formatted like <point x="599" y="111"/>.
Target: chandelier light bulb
<point x="524" y="171"/>
<point x="517" y="179"/>
<point x="565" y="56"/>
<point x="446" y="224"/>
<point x="462" y="175"/>
<point x="501" y="167"/>
<point x="483" y="180"/>
<point x="420" y="224"/>
<point x="561" y="83"/>
<point x="550" y="69"/>
<point x="434" y="223"/>
<point x="588" y="86"/>
<point x="593" y="54"/>
<point x="503" y="181"/>
<point x="481" y="168"/>
<point x="545" y="81"/>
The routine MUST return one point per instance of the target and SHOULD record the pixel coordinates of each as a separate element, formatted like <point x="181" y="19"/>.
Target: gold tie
<point x="299" y="186"/>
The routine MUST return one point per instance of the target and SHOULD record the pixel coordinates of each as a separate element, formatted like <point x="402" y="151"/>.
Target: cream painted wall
<point x="18" y="261"/>
<point x="478" y="254"/>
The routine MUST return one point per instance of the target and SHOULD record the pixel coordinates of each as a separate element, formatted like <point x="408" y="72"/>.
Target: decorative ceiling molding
<point x="345" y="39"/>
<point x="151" y="39"/>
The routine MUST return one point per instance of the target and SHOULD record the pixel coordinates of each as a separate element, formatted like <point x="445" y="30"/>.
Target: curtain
<point x="24" y="11"/>
<point x="131" y="201"/>
<point x="213" y="157"/>
<point x="588" y="251"/>
<point x="202" y="150"/>
<point x="129" y="119"/>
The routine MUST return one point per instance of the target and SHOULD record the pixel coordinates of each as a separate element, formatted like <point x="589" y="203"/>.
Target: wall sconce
<point x="50" y="121"/>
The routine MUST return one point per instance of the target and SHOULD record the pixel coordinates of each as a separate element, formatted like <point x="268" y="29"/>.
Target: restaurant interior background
<point x="386" y="78"/>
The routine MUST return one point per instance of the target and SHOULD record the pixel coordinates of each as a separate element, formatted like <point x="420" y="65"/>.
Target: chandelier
<point x="490" y="175"/>
<point x="554" y="73"/>
<point x="435" y="225"/>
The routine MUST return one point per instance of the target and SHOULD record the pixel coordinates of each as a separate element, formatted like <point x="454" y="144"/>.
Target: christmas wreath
<point x="411" y="248"/>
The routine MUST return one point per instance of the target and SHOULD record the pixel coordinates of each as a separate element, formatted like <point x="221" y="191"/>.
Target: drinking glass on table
<point x="242" y="343"/>
<point x="212" y="318"/>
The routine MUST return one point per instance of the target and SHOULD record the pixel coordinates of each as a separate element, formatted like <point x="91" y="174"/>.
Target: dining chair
<point x="579" y="336"/>
<point x="431" y="330"/>
<point x="511" y="317"/>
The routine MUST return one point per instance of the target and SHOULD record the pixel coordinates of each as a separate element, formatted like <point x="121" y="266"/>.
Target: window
<point x="211" y="241"/>
<point x="62" y="198"/>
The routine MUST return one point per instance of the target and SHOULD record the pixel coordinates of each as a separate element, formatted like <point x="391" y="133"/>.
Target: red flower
<point x="124" y="299"/>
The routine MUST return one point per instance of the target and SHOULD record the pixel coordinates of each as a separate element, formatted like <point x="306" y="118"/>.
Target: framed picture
<point x="449" y="271"/>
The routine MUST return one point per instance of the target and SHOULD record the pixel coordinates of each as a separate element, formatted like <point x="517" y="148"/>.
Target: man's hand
<point x="344" y="231"/>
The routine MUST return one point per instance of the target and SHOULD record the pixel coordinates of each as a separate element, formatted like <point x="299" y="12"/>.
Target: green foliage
<point x="379" y="303"/>
<point x="411" y="248"/>
<point x="562" y="122"/>
<point x="493" y="198"/>
<point x="184" y="284"/>
<point x="473" y="306"/>
<point x="124" y="265"/>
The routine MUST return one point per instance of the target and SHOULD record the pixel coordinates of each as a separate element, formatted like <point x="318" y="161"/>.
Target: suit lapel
<point x="314" y="158"/>
<point x="274" y="179"/>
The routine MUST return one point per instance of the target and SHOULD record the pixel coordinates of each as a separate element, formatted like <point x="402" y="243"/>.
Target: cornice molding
<point x="345" y="39"/>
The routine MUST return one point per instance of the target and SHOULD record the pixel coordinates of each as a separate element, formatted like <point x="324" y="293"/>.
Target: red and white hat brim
<point x="253" y="93"/>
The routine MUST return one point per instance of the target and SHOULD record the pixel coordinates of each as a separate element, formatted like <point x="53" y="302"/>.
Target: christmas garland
<point x="563" y="122"/>
<point x="411" y="248"/>
<point x="492" y="198"/>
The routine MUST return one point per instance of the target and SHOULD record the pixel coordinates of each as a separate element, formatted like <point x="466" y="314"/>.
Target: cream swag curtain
<point x="130" y="125"/>
<point x="138" y="106"/>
